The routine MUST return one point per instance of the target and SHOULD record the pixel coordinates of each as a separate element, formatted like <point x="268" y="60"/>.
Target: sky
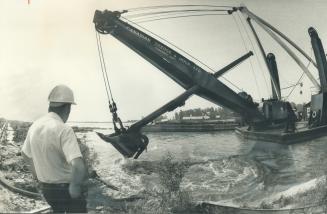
<point x="45" y="43"/>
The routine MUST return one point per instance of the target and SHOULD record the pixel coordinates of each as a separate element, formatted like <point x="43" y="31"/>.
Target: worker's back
<point x="52" y="153"/>
<point x="52" y="145"/>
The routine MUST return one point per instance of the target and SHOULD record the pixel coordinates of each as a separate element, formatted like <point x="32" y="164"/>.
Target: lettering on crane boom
<point x="163" y="49"/>
<point x="138" y="33"/>
<point x="197" y="68"/>
<point x="184" y="61"/>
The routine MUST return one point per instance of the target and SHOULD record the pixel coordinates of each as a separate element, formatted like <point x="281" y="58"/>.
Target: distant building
<point x="204" y="117"/>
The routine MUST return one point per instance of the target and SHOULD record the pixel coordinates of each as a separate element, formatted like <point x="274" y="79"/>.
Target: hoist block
<point x="129" y="144"/>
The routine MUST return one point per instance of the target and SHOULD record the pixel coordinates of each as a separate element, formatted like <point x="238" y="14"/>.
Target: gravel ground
<point x="13" y="168"/>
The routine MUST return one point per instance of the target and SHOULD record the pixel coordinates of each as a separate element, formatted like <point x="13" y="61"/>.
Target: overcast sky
<point x="45" y="43"/>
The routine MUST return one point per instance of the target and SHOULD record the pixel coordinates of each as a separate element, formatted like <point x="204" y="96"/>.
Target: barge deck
<point x="302" y="133"/>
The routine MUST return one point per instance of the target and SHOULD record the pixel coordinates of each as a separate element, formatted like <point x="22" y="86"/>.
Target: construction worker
<point x="291" y="119"/>
<point x="54" y="157"/>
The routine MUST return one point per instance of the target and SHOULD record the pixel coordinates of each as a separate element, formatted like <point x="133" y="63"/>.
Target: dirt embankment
<point x="14" y="171"/>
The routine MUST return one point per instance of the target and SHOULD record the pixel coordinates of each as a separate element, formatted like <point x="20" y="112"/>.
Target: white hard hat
<point x="60" y="95"/>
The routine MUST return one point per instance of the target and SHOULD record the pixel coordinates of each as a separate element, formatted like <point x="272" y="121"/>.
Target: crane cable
<point x="194" y="58"/>
<point x="141" y="15"/>
<point x="253" y="48"/>
<point x="103" y="69"/>
<point x="180" y="16"/>
<point x="112" y="104"/>
<point x="247" y="49"/>
<point x="298" y="82"/>
<point x="175" y="13"/>
<point x="245" y="28"/>
<point x="176" y="6"/>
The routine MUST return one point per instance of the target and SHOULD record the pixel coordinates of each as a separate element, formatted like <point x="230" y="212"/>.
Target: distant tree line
<point x="20" y="130"/>
<point x="160" y="118"/>
<point x="211" y="112"/>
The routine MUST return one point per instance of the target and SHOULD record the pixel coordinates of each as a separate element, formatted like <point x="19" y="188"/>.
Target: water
<point x="224" y="168"/>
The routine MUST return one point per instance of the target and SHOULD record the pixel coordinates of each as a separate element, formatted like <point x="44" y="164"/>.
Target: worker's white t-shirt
<point x="52" y="145"/>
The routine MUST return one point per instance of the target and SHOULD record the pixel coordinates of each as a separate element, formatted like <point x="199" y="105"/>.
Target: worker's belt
<point x="48" y="185"/>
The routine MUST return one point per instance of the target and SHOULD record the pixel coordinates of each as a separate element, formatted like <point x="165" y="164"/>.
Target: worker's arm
<point x="30" y="164"/>
<point x="27" y="154"/>
<point x="78" y="176"/>
<point x="74" y="157"/>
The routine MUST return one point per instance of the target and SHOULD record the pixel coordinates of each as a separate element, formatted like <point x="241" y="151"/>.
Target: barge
<point x="192" y="126"/>
<point x="301" y="133"/>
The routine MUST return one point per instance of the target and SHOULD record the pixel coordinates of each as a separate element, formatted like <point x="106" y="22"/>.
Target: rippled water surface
<point x="224" y="168"/>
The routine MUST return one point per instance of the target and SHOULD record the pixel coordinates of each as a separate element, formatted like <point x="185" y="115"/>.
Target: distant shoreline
<point x="129" y="121"/>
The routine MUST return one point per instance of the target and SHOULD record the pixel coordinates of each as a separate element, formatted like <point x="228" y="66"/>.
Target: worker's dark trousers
<point x="58" y="197"/>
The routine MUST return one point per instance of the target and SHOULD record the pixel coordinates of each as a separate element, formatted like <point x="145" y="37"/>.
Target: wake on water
<point x="233" y="179"/>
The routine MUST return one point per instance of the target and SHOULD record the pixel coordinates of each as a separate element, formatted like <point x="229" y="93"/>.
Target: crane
<point x="188" y="74"/>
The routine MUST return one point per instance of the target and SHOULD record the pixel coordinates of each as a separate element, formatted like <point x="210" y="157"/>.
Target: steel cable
<point x="246" y="49"/>
<point x="175" y="17"/>
<point x="172" y="14"/>
<point x="253" y="48"/>
<point x="172" y="11"/>
<point x="171" y="6"/>
<point x="139" y="18"/>
<point x="298" y="82"/>
<point x="202" y="63"/>
<point x="104" y="68"/>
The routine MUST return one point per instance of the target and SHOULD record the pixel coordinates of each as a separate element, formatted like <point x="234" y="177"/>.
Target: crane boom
<point x="270" y="30"/>
<point x="183" y="71"/>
